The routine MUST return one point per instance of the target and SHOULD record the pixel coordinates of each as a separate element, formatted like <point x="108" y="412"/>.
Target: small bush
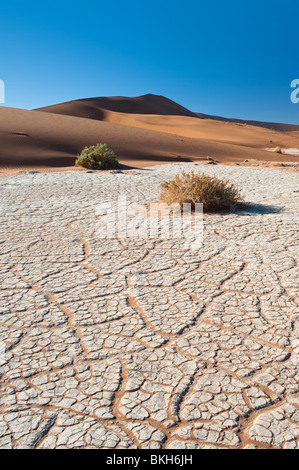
<point x="214" y="193"/>
<point x="278" y="150"/>
<point x="97" y="157"/>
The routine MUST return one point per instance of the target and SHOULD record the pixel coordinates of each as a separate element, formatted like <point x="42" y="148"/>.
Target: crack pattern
<point x="132" y="343"/>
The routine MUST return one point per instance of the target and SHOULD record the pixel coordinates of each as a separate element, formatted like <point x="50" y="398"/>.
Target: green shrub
<point x="214" y="193"/>
<point x="97" y="157"/>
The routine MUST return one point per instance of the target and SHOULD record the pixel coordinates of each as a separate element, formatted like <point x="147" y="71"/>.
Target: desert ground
<point x="141" y="343"/>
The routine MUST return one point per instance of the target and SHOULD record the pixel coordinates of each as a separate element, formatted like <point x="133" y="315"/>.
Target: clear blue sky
<point x="229" y="58"/>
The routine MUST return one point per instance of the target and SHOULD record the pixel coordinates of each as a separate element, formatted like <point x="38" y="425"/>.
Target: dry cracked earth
<point x="131" y="343"/>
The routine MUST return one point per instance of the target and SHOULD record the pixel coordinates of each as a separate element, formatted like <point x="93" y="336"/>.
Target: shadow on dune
<point x="154" y="157"/>
<point x="94" y="108"/>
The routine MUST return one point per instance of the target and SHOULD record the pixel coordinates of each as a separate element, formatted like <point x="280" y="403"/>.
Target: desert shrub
<point x="277" y="150"/>
<point x="214" y="193"/>
<point x="97" y="157"/>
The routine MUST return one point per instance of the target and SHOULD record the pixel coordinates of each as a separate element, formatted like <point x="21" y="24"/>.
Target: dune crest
<point x="94" y="108"/>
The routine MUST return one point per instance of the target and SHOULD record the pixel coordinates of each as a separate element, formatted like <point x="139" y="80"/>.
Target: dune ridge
<point x="94" y="108"/>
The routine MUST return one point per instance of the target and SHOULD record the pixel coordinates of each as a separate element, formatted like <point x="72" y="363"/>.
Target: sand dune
<point x="94" y="108"/>
<point x="222" y="131"/>
<point x="52" y="140"/>
<point x="275" y="126"/>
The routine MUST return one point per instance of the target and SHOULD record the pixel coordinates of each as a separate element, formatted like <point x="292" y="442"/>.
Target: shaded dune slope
<point x="94" y="108"/>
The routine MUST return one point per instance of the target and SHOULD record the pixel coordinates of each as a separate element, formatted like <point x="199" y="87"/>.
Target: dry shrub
<point x="214" y="193"/>
<point x="97" y="157"/>
<point x="277" y="149"/>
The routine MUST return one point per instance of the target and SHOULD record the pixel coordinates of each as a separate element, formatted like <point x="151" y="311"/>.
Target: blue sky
<point x="229" y="58"/>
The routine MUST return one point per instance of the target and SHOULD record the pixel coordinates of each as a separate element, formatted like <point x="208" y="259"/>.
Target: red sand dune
<point x="94" y="108"/>
<point x="275" y="126"/>
<point x="142" y="131"/>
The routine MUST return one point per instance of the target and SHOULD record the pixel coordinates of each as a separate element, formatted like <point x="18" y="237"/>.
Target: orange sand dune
<point x="222" y="131"/>
<point x="51" y="140"/>
<point x="275" y="126"/>
<point x="94" y="108"/>
<point x="46" y="139"/>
